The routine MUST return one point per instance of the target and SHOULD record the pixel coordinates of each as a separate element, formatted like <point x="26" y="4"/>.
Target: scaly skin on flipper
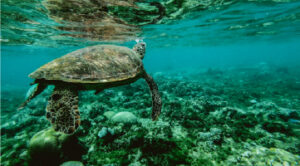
<point x="38" y="89"/>
<point x="62" y="109"/>
<point x="156" y="99"/>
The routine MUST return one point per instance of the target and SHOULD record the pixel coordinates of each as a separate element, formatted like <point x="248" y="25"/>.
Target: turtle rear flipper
<point x="62" y="110"/>
<point x="35" y="90"/>
<point x="156" y="99"/>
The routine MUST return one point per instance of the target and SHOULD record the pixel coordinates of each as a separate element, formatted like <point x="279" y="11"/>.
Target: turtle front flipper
<point x="35" y="90"/>
<point x="62" y="110"/>
<point x="156" y="99"/>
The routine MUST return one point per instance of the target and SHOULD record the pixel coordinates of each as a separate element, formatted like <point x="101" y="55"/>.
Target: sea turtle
<point x="91" y="68"/>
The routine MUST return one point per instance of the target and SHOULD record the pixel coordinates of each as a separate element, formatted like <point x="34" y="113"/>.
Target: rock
<point x="253" y="101"/>
<point x="104" y="132"/>
<point x="109" y="114"/>
<point x="72" y="163"/>
<point x="106" y="135"/>
<point x="45" y="147"/>
<point x="124" y="117"/>
<point x="49" y="147"/>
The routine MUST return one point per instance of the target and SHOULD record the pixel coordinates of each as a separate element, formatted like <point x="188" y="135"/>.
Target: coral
<point x="105" y="132"/>
<point x="263" y="156"/>
<point x="72" y="163"/>
<point x="124" y="117"/>
<point x="45" y="147"/>
<point x="109" y="114"/>
<point x="215" y="117"/>
<point x="48" y="147"/>
<point x="210" y="139"/>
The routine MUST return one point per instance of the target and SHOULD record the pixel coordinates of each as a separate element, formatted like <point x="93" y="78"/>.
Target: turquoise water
<point x="228" y="73"/>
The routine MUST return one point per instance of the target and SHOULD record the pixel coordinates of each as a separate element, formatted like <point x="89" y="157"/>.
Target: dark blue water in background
<point x="19" y="61"/>
<point x="194" y="35"/>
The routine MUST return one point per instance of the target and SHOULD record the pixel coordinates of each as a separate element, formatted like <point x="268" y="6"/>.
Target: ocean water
<point x="228" y="73"/>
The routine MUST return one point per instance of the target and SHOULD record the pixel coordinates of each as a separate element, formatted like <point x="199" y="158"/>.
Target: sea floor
<point x="232" y="116"/>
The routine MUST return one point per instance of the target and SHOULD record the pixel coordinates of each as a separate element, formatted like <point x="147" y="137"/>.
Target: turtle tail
<point x="62" y="109"/>
<point x="35" y="90"/>
<point x="156" y="99"/>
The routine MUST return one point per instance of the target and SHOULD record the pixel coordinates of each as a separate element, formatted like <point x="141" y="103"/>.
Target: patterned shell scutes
<point x="95" y="64"/>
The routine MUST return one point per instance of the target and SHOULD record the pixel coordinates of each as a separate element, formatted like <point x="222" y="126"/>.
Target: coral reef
<point x="106" y="132"/>
<point x="216" y="117"/>
<point x="124" y="117"/>
<point x="45" y="147"/>
<point x="48" y="147"/>
<point x="72" y="163"/>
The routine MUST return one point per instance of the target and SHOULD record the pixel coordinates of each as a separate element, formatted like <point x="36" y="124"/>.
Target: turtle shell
<point x="94" y="64"/>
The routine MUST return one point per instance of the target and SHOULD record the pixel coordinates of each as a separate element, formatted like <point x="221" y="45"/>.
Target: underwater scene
<point x="150" y="83"/>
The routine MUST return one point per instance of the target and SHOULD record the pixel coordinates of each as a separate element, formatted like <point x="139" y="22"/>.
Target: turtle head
<point x="140" y="48"/>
